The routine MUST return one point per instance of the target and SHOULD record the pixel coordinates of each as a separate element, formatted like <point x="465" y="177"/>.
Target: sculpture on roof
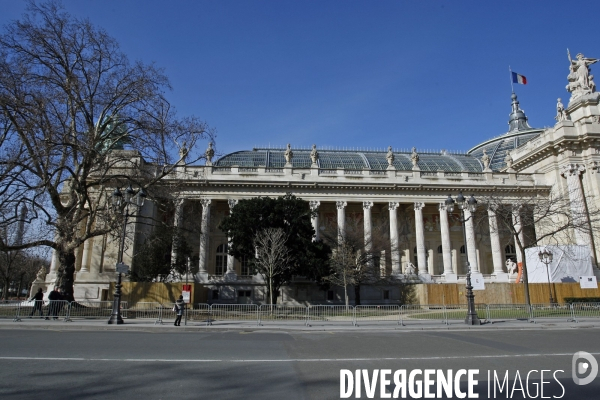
<point x="580" y="80"/>
<point x="183" y="152"/>
<point x="414" y="157"/>
<point x="390" y="156"/>
<point x="288" y="154"/>
<point x="485" y="160"/>
<point x="314" y="154"/>
<point x="509" y="161"/>
<point x="209" y="153"/>
<point x="561" y="115"/>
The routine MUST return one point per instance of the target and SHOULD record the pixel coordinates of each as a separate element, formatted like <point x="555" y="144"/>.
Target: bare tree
<point x="539" y="218"/>
<point x="77" y="119"/>
<point x="273" y="259"/>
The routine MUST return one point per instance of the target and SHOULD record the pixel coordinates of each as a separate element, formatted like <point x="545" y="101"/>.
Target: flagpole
<point x="511" y="81"/>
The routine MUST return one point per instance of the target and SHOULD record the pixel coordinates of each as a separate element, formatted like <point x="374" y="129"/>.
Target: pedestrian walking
<point x="54" y="298"/>
<point x="179" y="307"/>
<point x="38" y="302"/>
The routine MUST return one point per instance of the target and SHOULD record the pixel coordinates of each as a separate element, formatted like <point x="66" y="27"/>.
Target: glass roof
<point x="357" y="160"/>
<point x="498" y="147"/>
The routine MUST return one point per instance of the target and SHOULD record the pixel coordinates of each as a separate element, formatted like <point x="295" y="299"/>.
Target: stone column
<point x="54" y="262"/>
<point x="516" y="215"/>
<point x="341" y="219"/>
<point x="230" y="274"/>
<point x="85" y="258"/>
<point x="471" y="245"/>
<point x="204" y="240"/>
<point x="445" y="229"/>
<point x="177" y="220"/>
<point x="420" y="234"/>
<point x="394" y="242"/>
<point x="314" y="207"/>
<point x="367" y="225"/>
<point x="499" y="273"/>
<point x="572" y="173"/>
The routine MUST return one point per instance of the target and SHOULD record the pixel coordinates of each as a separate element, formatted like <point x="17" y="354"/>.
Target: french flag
<point x="516" y="78"/>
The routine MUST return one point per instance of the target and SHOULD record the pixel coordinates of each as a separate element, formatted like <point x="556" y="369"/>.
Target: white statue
<point x="561" y="115"/>
<point x="390" y="156"/>
<point x="288" y="154"/>
<point x="410" y="269"/>
<point x="209" y="154"/>
<point x="580" y="80"/>
<point x="414" y="157"/>
<point x="41" y="274"/>
<point x="485" y="159"/>
<point x="508" y="160"/>
<point x="183" y="152"/>
<point x="314" y="154"/>
<point x="511" y="266"/>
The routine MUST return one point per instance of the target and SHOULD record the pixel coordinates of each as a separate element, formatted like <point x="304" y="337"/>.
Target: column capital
<point x="367" y="205"/>
<point x="341" y="204"/>
<point x="572" y="170"/>
<point x="205" y="202"/>
<point x="419" y="206"/>
<point x="442" y="206"/>
<point x="179" y="202"/>
<point x="392" y="205"/>
<point x="314" y="205"/>
<point x="232" y="203"/>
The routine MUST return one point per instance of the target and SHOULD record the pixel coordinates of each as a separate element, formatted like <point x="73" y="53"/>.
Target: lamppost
<point x="120" y="204"/>
<point x="546" y="258"/>
<point x="471" y="205"/>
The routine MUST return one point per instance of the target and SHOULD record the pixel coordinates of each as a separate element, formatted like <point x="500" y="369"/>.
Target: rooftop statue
<point x="314" y="154"/>
<point x="580" y="80"/>
<point x="485" y="160"/>
<point x="114" y="135"/>
<point x="288" y="154"/>
<point x="390" y="156"/>
<point x="509" y="161"/>
<point x="183" y="152"/>
<point x="414" y="157"/>
<point x="209" y="153"/>
<point x="561" y="115"/>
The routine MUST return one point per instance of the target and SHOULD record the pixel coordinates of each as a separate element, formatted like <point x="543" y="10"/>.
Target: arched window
<point x="221" y="261"/>
<point x="510" y="252"/>
<point x="462" y="249"/>
<point x="440" y="249"/>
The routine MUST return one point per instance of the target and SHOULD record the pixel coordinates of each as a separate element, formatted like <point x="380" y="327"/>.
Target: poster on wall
<point x="477" y="281"/>
<point x="588" y="282"/>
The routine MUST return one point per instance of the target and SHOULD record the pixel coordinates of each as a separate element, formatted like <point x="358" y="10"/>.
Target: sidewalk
<point x="292" y="326"/>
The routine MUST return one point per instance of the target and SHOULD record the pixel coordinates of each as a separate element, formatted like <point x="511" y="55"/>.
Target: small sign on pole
<point x="588" y="282"/>
<point x="122" y="268"/>
<point x="477" y="281"/>
<point x="186" y="292"/>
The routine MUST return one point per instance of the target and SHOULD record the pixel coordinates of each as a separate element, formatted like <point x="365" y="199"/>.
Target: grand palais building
<point x="406" y="188"/>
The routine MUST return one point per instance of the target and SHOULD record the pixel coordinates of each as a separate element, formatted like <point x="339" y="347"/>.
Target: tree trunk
<point x="66" y="273"/>
<point x="525" y="277"/>
<point x="357" y="295"/>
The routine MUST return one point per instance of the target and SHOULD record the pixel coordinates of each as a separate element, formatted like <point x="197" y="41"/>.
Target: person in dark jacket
<point x="179" y="307"/>
<point x="54" y="304"/>
<point x="38" y="302"/>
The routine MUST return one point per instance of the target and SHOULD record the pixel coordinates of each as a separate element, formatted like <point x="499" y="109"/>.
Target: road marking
<point x="288" y="360"/>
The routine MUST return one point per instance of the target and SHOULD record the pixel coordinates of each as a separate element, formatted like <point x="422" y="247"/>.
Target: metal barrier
<point x="331" y="314"/>
<point x="55" y="309"/>
<point x="278" y="313"/>
<point x="387" y="313"/>
<point x="423" y="312"/>
<point x="585" y="310"/>
<point x="199" y="312"/>
<point x="10" y="309"/>
<point x="552" y="311"/>
<point x="504" y="312"/>
<point x="85" y="309"/>
<point x="146" y="310"/>
<point x="233" y="312"/>
<point x="458" y="312"/>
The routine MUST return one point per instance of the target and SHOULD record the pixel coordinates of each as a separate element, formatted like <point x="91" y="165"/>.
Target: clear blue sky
<point x="430" y="74"/>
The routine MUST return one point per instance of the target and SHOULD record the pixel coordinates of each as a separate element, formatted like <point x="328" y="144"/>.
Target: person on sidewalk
<point x="54" y="303"/>
<point x="38" y="302"/>
<point x="179" y="307"/>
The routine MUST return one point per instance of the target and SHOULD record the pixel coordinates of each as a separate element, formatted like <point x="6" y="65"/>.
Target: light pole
<point x="120" y="204"/>
<point x="546" y="258"/>
<point x="471" y="205"/>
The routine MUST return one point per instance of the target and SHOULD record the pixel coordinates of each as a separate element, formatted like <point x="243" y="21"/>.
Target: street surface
<point x="263" y="364"/>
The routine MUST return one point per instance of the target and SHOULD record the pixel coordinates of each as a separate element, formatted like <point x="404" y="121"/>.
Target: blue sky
<point x="367" y="74"/>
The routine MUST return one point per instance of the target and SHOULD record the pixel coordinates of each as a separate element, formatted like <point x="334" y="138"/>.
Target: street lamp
<point x="120" y="204"/>
<point x="470" y="205"/>
<point x="546" y="258"/>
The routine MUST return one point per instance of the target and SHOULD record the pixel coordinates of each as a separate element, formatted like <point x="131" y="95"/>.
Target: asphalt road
<point x="54" y="364"/>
